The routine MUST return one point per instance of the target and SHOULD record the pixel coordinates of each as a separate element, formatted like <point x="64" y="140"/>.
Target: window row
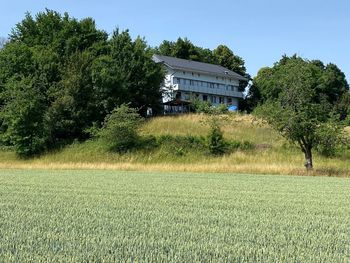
<point x="193" y="74"/>
<point x="204" y="84"/>
<point x="204" y="97"/>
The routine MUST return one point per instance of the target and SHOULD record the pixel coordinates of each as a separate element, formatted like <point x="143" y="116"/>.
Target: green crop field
<point x="113" y="216"/>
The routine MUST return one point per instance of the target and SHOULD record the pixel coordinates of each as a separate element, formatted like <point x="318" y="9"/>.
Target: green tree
<point x="22" y="117"/>
<point x="330" y="82"/>
<point x="135" y="76"/>
<point x="49" y="55"/>
<point x="120" y="129"/>
<point x="73" y="109"/>
<point x="182" y="48"/>
<point x="296" y="109"/>
<point x="216" y="142"/>
<point x="225" y="57"/>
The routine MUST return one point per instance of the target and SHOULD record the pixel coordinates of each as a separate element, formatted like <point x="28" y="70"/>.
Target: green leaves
<point x="22" y="117"/>
<point x="73" y="78"/>
<point x="120" y="129"/>
<point x="185" y="49"/>
<point x="297" y="107"/>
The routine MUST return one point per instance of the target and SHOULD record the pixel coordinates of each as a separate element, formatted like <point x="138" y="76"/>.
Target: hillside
<point x="269" y="153"/>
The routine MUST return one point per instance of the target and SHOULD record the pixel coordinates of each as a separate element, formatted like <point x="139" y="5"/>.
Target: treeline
<point x="60" y="78"/>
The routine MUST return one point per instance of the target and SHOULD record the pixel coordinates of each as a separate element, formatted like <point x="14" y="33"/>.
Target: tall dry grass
<point x="272" y="154"/>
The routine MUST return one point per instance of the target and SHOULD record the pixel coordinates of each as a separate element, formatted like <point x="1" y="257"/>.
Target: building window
<point x="212" y="85"/>
<point x="205" y="97"/>
<point x="217" y="77"/>
<point x="199" y="75"/>
<point x="192" y="82"/>
<point x="187" y="96"/>
<point x="229" y="100"/>
<point x="178" y="95"/>
<point x="183" y="72"/>
<point x="221" y="100"/>
<point x="192" y="74"/>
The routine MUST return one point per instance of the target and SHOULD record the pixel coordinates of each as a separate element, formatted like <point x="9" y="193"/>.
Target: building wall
<point x="187" y="84"/>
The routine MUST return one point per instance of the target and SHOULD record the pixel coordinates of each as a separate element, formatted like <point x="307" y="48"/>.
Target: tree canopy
<point x="298" y="104"/>
<point x="329" y="81"/>
<point x="60" y="76"/>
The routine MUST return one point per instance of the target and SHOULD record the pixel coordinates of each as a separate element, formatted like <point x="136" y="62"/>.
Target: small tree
<point x="121" y="127"/>
<point x="216" y="142"/>
<point x="299" y="112"/>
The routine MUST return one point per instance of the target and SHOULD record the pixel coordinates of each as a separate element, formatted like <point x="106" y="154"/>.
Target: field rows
<point x="106" y="216"/>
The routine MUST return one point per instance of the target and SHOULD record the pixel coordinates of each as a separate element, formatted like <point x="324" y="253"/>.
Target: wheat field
<point x="114" y="216"/>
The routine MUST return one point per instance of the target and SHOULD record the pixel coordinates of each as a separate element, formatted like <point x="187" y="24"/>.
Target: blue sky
<point x="258" y="31"/>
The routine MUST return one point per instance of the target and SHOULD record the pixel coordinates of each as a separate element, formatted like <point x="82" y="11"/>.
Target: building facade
<point x="186" y="80"/>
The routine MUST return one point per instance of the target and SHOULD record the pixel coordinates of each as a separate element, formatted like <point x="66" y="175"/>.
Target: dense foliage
<point x="59" y="77"/>
<point x="121" y="127"/>
<point x="300" y="101"/>
<point x="216" y="142"/>
<point x="329" y="83"/>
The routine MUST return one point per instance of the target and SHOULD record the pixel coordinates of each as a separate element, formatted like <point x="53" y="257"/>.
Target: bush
<point x="200" y="106"/>
<point x="216" y="142"/>
<point x="237" y="145"/>
<point x="120" y="129"/>
<point x="330" y="136"/>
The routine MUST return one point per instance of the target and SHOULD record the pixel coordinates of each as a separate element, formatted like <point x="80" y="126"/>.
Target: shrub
<point x="330" y="135"/>
<point x="120" y="129"/>
<point x="237" y="145"/>
<point x="216" y="142"/>
<point x="200" y="106"/>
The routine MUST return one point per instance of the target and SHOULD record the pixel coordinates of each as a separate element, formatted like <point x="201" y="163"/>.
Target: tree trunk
<point x="308" y="158"/>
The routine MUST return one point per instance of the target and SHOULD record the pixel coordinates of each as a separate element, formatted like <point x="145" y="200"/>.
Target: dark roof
<point x="178" y="63"/>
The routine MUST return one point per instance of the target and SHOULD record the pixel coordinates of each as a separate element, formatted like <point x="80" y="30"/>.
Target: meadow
<point x="115" y="216"/>
<point x="271" y="154"/>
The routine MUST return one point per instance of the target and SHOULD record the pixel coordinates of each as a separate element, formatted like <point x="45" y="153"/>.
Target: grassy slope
<point x="111" y="216"/>
<point x="273" y="153"/>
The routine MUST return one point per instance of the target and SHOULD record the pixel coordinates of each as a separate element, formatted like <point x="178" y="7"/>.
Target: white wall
<point x="224" y="91"/>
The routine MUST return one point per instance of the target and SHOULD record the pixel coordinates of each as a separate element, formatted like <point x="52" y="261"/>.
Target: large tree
<point x="331" y="82"/>
<point x="298" y="106"/>
<point x="60" y="76"/>
<point x="127" y="74"/>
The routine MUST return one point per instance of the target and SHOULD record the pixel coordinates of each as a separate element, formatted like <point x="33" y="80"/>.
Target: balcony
<point x="206" y="90"/>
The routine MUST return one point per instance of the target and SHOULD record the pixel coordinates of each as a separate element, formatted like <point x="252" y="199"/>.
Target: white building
<point x="186" y="79"/>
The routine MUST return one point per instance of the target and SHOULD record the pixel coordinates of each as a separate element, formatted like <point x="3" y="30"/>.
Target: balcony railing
<point x="206" y="90"/>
